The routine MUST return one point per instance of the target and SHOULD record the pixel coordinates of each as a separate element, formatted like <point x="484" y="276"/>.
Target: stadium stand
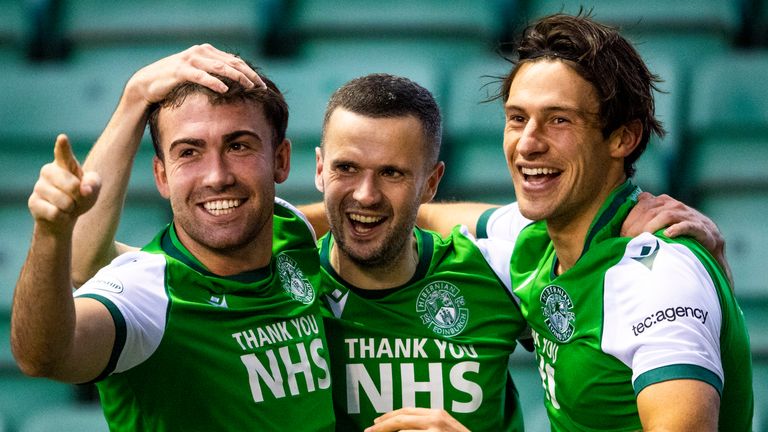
<point x="725" y="170"/>
<point x="473" y="134"/>
<point x="82" y="418"/>
<point x="715" y="107"/>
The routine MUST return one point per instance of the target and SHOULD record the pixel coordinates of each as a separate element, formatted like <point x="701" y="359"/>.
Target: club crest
<point x="556" y="306"/>
<point x="441" y="306"/>
<point x="293" y="280"/>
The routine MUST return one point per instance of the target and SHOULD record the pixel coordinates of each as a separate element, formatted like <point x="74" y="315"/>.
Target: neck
<point x="256" y="254"/>
<point x="569" y="233"/>
<point x="390" y="275"/>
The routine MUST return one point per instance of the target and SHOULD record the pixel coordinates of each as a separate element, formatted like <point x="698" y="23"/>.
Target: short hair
<point x="384" y="95"/>
<point x="270" y="98"/>
<point x="605" y="59"/>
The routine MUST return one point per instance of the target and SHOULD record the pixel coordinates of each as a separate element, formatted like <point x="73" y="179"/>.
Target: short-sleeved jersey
<point x="199" y="352"/>
<point x="442" y="340"/>
<point x="630" y="313"/>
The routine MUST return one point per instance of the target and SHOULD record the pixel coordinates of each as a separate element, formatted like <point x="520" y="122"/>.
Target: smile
<point x="365" y="219"/>
<point x="221" y="207"/>
<point x="362" y="224"/>
<point x="538" y="171"/>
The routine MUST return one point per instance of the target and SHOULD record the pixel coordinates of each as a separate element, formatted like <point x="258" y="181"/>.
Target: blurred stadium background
<point x="64" y="64"/>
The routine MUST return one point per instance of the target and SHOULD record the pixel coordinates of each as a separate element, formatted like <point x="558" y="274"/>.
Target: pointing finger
<point x="64" y="157"/>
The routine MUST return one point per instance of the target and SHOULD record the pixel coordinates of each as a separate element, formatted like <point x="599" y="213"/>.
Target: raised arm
<point x="51" y="334"/>
<point x="113" y="153"/>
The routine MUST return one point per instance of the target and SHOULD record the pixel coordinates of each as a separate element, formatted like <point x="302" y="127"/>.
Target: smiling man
<point x="630" y="332"/>
<point x="205" y="328"/>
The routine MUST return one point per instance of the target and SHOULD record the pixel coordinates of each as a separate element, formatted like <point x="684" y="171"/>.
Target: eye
<point x="237" y="146"/>
<point x="344" y="168"/>
<point x="560" y="120"/>
<point x="391" y="172"/>
<point x="187" y="152"/>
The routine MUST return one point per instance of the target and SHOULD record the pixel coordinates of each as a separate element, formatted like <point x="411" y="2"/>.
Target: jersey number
<point x="547" y="373"/>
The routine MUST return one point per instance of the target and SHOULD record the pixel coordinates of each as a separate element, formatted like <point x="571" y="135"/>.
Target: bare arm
<point x="654" y="213"/>
<point x="442" y="217"/>
<point x="315" y="214"/>
<point x="53" y="335"/>
<point x="417" y="419"/>
<point x="679" y="405"/>
<point x="113" y="153"/>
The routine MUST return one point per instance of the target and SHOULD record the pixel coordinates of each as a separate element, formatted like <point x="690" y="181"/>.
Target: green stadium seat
<point x="655" y="166"/>
<point x="477" y="23"/>
<point x="43" y="100"/>
<point x="760" y="387"/>
<point x="23" y="396"/>
<point x="729" y="123"/>
<point x="15" y="232"/>
<point x="726" y="158"/>
<point x="77" y="418"/>
<point x="307" y="85"/>
<point x="6" y="356"/>
<point x="142" y="219"/>
<point x="234" y="25"/>
<point x="313" y="18"/>
<point x="13" y="23"/>
<point x="473" y="134"/>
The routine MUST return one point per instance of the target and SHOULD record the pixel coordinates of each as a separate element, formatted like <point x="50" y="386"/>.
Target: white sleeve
<point x="662" y="309"/>
<point x="505" y="223"/>
<point x="498" y="255"/>
<point x="132" y="287"/>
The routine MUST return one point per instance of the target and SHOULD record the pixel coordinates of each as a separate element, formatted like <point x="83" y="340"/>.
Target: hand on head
<point x="196" y="64"/>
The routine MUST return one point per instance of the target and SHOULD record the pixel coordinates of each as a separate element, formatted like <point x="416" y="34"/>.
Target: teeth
<point x="538" y="171"/>
<point x="365" y="219"/>
<point x="221" y="207"/>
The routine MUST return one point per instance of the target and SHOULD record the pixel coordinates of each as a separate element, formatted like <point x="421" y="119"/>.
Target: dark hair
<point x="600" y="55"/>
<point x="383" y="95"/>
<point x="272" y="101"/>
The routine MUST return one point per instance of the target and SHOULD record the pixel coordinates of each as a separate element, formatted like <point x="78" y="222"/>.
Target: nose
<point x="367" y="191"/>
<point x="530" y="141"/>
<point x="218" y="174"/>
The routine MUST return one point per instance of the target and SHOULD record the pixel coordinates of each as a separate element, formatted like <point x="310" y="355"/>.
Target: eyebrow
<point x="586" y="115"/>
<point x="232" y="136"/>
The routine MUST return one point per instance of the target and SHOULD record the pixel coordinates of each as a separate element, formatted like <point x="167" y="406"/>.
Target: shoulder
<point x="504" y="223"/>
<point x="291" y="229"/>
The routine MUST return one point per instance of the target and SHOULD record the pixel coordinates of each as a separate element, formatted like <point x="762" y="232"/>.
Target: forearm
<point x="442" y="217"/>
<point x="112" y="158"/>
<point x="315" y="214"/>
<point x="43" y="318"/>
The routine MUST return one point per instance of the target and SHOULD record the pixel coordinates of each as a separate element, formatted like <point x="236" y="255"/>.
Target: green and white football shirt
<point x="442" y="340"/>
<point x="195" y="351"/>
<point x="632" y="312"/>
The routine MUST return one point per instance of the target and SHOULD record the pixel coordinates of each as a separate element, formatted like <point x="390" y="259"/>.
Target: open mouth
<point x="222" y="207"/>
<point x="537" y="175"/>
<point x="363" y="223"/>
